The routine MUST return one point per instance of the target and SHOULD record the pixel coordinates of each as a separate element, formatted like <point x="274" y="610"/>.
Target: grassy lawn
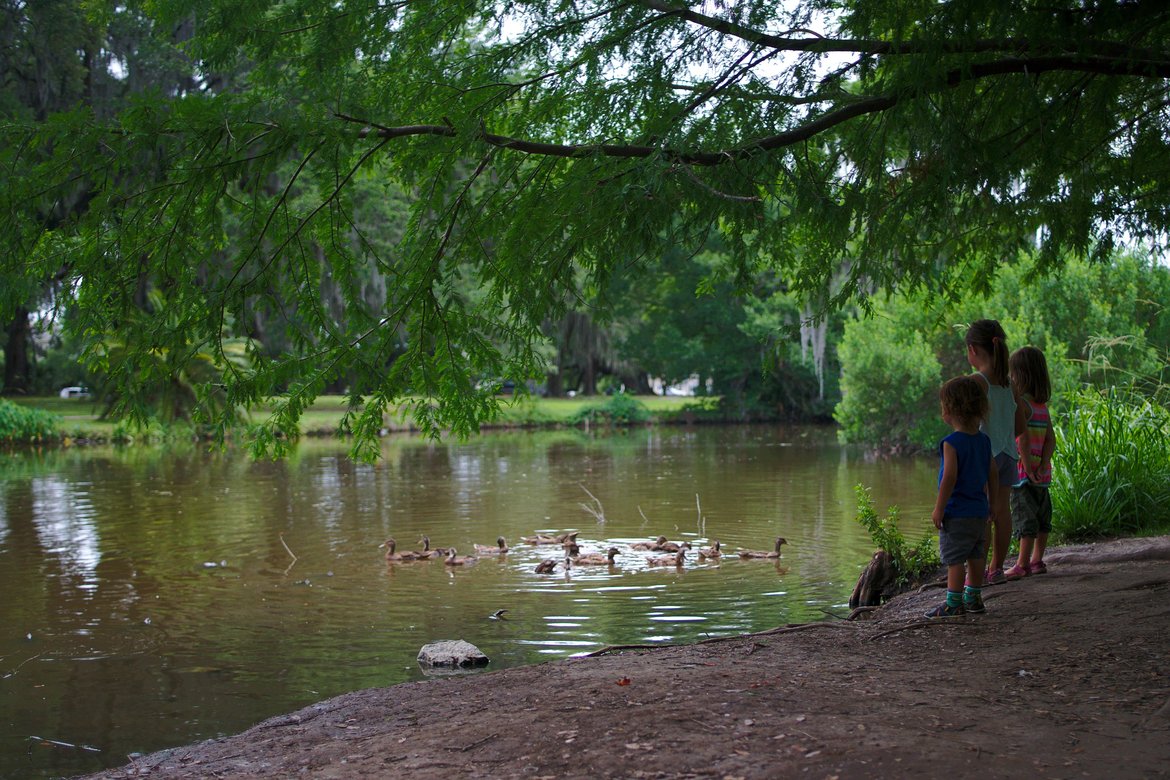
<point x="79" y="416"/>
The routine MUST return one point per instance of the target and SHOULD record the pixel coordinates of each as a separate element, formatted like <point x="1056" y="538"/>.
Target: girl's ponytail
<point x="988" y="335"/>
<point x="999" y="360"/>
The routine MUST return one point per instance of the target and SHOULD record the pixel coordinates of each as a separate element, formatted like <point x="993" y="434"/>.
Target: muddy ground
<point x="1066" y="675"/>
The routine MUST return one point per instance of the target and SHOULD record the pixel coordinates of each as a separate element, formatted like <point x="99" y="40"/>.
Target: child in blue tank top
<point x="967" y="488"/>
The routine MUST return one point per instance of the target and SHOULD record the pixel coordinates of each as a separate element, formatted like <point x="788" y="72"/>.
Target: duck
<point x="668" y="560"/>
<point x="397" y="557"/>
<point x="438" y="552"/>
<point x="597" y="559"/>
<point x="547" y="566"/>
<point x="570" y="536"/>
<point x="747" y="554"/>
<point x="713" y="552"/>
<point x="453" y="559"/>
<point x="673" y="547"/>
<point x="500" y="547"/>
<point x="654" y="545"/>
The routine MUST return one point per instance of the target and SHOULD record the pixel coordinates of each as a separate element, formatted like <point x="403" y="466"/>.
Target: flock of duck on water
<point x="675" y="552"/>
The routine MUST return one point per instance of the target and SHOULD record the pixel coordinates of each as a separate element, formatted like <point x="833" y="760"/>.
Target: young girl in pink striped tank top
<point x="1030" y="502"/>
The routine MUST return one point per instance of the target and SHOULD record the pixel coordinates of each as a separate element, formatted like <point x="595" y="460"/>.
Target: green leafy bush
<point x="912" y="562"/>
<point x="889" y="387"/>
<point x="620" y="409"/>
<point x="24" y="424"/>
<point x="1111" y="469"/>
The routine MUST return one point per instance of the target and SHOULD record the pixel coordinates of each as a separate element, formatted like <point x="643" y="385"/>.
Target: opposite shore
<point x="80" y="420"/>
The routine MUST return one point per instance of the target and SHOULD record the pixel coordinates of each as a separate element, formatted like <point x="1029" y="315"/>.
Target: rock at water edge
<point x="451" y="652"/>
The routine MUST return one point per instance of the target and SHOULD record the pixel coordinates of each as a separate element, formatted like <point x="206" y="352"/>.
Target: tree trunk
<point x="554" y="385"/>
<point x="17" y="364"/>
<point x="876" y="583"/>
<point x="589" y="377"/>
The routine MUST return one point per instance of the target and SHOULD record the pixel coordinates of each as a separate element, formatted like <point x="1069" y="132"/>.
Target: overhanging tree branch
<point x="1155" y="69"/>
<point x="817" y="44"/>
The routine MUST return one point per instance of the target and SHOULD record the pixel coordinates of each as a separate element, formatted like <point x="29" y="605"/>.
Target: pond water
<point x="151" y="597"/>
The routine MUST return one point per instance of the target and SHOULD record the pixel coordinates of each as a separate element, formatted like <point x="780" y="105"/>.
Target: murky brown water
<point x="150" y="597"/>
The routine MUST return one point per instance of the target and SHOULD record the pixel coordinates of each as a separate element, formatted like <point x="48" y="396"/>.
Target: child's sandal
<point x="1017" y="572"/>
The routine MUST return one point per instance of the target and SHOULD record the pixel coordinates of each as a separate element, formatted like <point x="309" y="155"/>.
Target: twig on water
<point x="290" y="552"/>
<point x="645" y="519"/>
<point x="598" y="512"/>
<point x="60" y="743"/>
<point x="618" y="648"/>
<point x="22" y="663"/>
<point x="701" y="523"/>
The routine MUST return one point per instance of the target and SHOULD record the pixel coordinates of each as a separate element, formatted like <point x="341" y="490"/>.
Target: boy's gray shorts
<point x="1031" y="510"/>
<point x="961" y="539"/>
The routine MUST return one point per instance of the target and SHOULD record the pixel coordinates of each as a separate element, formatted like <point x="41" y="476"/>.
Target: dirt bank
<point x="1067" y="675"/>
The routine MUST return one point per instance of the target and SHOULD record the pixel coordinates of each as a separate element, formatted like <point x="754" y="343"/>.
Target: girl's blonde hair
<point x="1029" y="372"/>
<point x="964" y="399"/>
<point x="988" y="335"/>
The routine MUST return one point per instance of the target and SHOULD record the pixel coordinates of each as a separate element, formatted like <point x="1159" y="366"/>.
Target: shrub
<point x="24" y="424"/>
<point x="1111" y="469"/>
<point x="889" y="388"/>
<point x="620" y="409"/>
<point x="911" y="562"/>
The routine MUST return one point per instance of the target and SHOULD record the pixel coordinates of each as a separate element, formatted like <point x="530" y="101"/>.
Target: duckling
<point x="713" y="552"/>
<point x="500" y="547"/>
<point x="673" y="547"/>
<point x="747" y="554"/>
<point x="438" y="552"/>
<point x="397" y="557"/>
<point x="668" y="560"/>
<point x="569" y="536"/>
<point x="597" y="559"/>
<point x="391" y="556"/>
<point x="572" y="550"/>
<point x="654" y="545"/>
<point x="458" y="560"/>
<point x="547" y="566"/>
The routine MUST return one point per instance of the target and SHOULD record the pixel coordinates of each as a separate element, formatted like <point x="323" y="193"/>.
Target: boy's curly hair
<point x="963" y="398"/>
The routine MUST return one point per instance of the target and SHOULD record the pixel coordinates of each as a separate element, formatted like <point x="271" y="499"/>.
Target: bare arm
<point x="946" y="485"/>
<point x="1047" y="450"/>
<point x="1021" y="415"/>
<point x="993" y="487"/>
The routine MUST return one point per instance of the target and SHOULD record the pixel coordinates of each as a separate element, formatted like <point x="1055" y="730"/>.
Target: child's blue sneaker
<point x="945" y="610"/>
